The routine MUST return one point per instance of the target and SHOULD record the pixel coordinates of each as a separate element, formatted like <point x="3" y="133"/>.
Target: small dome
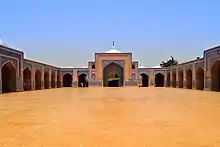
<point x="157" y="67"/>
<point x="142" y="67"/>
<point x="113" y="51"/>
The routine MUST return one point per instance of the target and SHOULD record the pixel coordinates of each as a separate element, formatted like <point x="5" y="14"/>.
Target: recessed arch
<point x="168" y="79"/>
<point x="200" y="79"/>
<point x="113" y="75"/>
<point x="215" y="76"/>
<point x="8" y="77"/>
<point x="189" y="79"/>
<point x="159" y="80"/>
<point x="27" y="79"/>
<point x="67" y="80"/>
<point x="53" y="80"/>
<point x="180" y="79"/>
<point x="144" y="80"/>
<point x="83" y="80"/>
<point x="46" y="80"/>
<point x="58" y="81"/>
<point x="38" y="80"/>
<point x="174" y="79"/>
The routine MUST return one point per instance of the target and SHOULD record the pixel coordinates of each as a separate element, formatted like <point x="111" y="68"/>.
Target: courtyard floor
<point x="110" y="117"/>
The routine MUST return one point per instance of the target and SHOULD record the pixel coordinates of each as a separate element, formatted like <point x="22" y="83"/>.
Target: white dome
<point x="157" y="67"/>
<point x="113" y="51"/>
<point x="142" y="67"/>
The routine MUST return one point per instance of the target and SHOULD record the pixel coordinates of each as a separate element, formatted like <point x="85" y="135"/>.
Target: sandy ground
<point x="110" y="117"/>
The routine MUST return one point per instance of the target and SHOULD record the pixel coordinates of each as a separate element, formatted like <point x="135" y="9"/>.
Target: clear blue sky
<point x="68" y="32"/>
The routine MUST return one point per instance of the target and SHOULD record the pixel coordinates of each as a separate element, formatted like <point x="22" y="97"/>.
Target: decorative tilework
<point x="67" y="72"/>
<point x="107" y="62"/>
<point x="93" y="77"/>
<point x="29" y="65"/>
<point x="188" y="67"/>
<point x="38" y="67"/>
<point x="9" y="53"/>
<point x="46" y="69"/>
<point x="200" y="64"/>
<point x="4" y="60"/>
<point x="133" y="76"/>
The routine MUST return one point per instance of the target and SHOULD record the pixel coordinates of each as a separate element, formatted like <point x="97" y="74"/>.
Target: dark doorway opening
<point x="180" y="81"/>
<point x="159" y="80"/>
<point x="113" y="81"/>
<point x="189" y="79"/>
<point x="145" y="80"/>
<point x="168" y="79"/>
<point x="215" y="76"/>
<point x="46" y="80"/>
<point x="8" y="78"/>
<point x="200" y="79"/>
<point x="82" y="80"/>
<point x="174" y="79"/>
<point x="38" y="80"/>
<point x="53" y="81"/>
<point x="67" y="80"/>
<point x="113" y="75"/>
<point x="58" y="81"/>
<point x="27" y="79"/>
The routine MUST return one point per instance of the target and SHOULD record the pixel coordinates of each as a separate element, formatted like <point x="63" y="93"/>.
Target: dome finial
<point x="113" y="44"/>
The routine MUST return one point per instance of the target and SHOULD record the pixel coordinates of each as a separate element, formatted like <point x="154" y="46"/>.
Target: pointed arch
<point x="38" y="81"/>
<point x="8" y="77"/>
<point x="46" y="80"/>
<point x="82" y="80"/>
<point x="159" y="80"/>
<point x="200" y="78"/>
<point x="174" y="79"/>
<point x="180" y="79"/>
<point x="215" y="76"/>
<point x="53" y="80"/>
<point x="189" y="79"/>
<point x="144" y="80"/>
<point x="27" y="79"/>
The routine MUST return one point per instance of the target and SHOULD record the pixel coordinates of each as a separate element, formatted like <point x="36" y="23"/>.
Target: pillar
<point x="42" y="77"/>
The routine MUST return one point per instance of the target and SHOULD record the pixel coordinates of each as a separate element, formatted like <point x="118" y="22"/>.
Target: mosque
<point x="109" y="69"/>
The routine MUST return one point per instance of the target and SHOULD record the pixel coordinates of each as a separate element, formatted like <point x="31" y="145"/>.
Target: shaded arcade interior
<point x="67" y="80"/>
<point x="144" y="80"/>
<point x="113" y="75"/>
<point x="8" y="77"/>
<point x="215" y="76"/>
<point x="27" y="79"/>
<point x="82" y="80"/>
<point x="159" y="80"/>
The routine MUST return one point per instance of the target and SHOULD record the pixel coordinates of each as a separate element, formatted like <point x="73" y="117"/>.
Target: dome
<point x="113" y="51"/>
<point x="142" y="67"/>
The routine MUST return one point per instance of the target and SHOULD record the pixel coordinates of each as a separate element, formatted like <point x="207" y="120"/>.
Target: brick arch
<point x="189" y="79"/>
<point x="200" y="78"/>
<point x="215" y="76"/>
<point x="27" y="79"/>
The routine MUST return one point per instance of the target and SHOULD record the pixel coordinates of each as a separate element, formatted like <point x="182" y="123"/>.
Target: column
<point x="42" y="77"/>
<point x="33" y="77"/>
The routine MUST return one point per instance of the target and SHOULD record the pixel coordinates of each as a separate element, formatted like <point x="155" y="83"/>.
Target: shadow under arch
<point x="82" y="80"/>
<point x="46" y="80"/>
<point x="189" y="79"/>
<point x="113" y="75"/>
<point x="174" y="79"/>
<point x="38" y="80"/>
<point x="27" y="79"/>
<point x="215" y="76"/>
<point x="53" y="80"/>
<point x="8" y="77"/>
<point x="67" y="80"/>
<point x="159" y="80"/>
<point x="180" y="79"/>
<point x="168" y="79"/>
<point x="144" y="80"/>
<point x="200" y="79"/>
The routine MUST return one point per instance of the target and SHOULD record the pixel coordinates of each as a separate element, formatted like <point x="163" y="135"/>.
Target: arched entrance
<point x="8" y="77"/>
<point x="27" y="79"/>
<point x="53" y="81"/>
<point x="67" y="80"/>
<point x="189" y="79"/>
<point x="82" y="80"/>
<point x="37" y="80"/>
<point x="113" y="75"/>
<point x="215" y="76"/>
<point x="200" y="79"/>
<point x="46" y="80"/>
<point x="180" y="80"/>
<point x="159" y="80"/>
<point x="168" y="79"/>
<point x="174" y="79"/>
<point x="58" y="81"/>
<point x="145" y="80"/>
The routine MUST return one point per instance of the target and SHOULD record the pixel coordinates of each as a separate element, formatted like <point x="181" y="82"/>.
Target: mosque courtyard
<point x="110" y="117"/>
